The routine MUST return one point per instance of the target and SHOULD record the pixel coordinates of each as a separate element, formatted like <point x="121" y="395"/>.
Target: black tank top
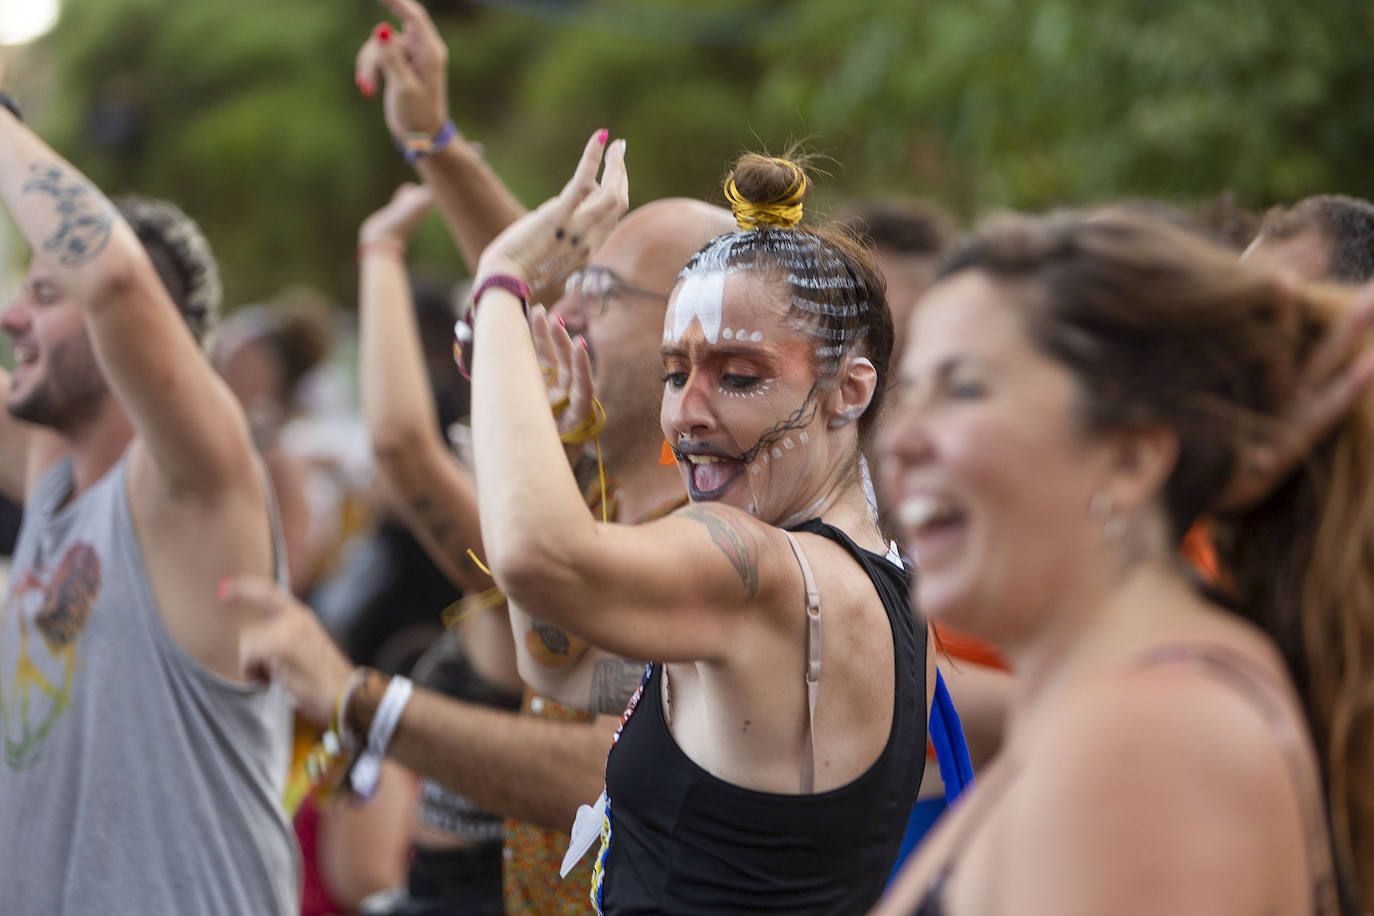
<point x="685" y="841"/>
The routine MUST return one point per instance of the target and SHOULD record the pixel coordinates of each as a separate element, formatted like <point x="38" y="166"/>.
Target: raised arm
<point x="677" y="589"/>
<point x="439" y="500"/>
<point x="411" y="63"/>
<point x="195" y="434"/>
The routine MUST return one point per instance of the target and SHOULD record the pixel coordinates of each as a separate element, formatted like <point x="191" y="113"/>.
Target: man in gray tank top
<point x="140" y="768"/>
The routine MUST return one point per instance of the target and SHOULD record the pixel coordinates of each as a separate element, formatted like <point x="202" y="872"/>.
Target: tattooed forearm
<point x="85" y="217"/>
<point x="613" y="681"/>
<point x="734" y="540"/>
<point x="433" y="519"/>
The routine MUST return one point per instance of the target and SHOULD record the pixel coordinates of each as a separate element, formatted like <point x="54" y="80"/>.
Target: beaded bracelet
<point x="417" y="145"/>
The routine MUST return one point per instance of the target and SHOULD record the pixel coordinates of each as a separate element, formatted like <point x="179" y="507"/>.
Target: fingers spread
<point x="392" y="56"/>
<point x="367" y="67"/>
<point x="583" y="181"/>
<point x="614" y="179"/>
<point x="580" y="388"/>
<point x="544" y="351"/>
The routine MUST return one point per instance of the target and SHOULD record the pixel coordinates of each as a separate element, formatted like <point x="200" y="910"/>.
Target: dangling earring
<point x="754" y="504"/>
<point x="1102" y="509"/>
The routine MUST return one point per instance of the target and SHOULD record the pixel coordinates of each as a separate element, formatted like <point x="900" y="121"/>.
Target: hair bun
<point x="766" y="191"/>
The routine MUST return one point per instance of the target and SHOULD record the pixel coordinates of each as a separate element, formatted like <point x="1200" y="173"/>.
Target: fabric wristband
<point x="368" y="768"/>
<point x="513" y="285"/>
<point x="416" y="146"/>
<point x="7" y="101"/>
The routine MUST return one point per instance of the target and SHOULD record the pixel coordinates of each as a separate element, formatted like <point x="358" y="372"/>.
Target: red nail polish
<point x="583" y="341"/>
<point x="561" y="323"/>
<point x="383" y="33"/>
<point x="365" y="87"/>
<point x="601" y="136"/>
<point x="223" y="589"/>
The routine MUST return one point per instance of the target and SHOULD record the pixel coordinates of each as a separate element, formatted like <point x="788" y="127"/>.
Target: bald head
<point x="661" y="237"/>
<point x="644" y="254"/>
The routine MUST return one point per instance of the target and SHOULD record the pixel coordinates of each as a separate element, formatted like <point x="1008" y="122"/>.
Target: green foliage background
<point x="246" y="113"/>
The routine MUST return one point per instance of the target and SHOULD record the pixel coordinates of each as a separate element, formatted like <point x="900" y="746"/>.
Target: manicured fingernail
<point x="383" y="32"/>
<point x="623" y="145"/>
<point x="561" y="323"/>
<point x="365" y="87"/>
<point x="583" y="341"/>
<point x="223" y="589"/>
<point x="601" y="136"/>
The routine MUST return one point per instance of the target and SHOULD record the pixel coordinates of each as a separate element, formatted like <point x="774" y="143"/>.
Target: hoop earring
<point x="1102" y="509"/>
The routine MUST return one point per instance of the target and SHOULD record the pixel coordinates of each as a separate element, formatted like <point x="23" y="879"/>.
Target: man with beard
<point x="141" y="769"/>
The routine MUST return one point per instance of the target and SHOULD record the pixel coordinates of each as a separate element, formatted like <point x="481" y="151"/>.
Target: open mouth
<point x="931" y="524"/>
<point x="710" y="475"/>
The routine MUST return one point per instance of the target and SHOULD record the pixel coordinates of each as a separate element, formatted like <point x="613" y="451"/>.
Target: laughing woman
<point x="773" y="752"/>
<point x="1077" y="392"/>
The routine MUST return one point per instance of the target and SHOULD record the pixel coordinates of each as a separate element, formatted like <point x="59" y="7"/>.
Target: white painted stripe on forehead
<point x="700" y="297"/>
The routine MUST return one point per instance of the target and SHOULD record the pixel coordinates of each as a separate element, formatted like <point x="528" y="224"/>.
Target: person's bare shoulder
<point x="1159" y="790"/>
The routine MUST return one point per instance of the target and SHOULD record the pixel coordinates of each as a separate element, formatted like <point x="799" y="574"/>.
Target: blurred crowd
<point x="900" y="566"/>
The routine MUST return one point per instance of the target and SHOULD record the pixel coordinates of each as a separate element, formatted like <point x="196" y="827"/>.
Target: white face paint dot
<point x="787" y="443"/>
<point x="754" y="468"/>
<point x="728" y="334"/>
<point x="756" y="336"/>
<point x="805" y="438"/>
<point x="777" y="452"/>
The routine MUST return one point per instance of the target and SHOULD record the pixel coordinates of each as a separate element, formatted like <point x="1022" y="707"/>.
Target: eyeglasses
<point x="597" y="284"/>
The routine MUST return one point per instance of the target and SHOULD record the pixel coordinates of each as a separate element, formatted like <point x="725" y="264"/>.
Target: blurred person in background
<point x="142" y="769"/>
<point x="1324" y="237"/>
<point x="263" y="352"/>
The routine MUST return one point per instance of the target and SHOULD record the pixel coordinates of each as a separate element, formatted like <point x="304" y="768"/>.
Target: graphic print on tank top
<point x="43" y="619"/>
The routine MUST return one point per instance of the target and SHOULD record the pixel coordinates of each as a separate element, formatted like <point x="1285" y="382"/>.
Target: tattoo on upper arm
<point x="613" y="682"/>
<point x="85" y="216"/>
<point x="550" y="646"/>
<point x="734" y="540"/>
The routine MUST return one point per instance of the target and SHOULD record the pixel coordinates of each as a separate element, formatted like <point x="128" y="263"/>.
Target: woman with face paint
<point x="771" y="756"/>
<point x="1077" y="392"/>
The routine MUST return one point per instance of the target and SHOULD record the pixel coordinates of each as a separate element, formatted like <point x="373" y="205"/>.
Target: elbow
<point x="119" y="278"/>
<point x="526" y="570"/>
<point x="395" y="446"/>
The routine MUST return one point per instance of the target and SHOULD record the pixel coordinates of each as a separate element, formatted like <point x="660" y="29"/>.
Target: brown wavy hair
<point x="1162" y="328"/>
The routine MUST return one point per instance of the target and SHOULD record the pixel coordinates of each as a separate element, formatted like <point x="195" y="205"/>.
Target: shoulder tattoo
<point x="734" y="540"/>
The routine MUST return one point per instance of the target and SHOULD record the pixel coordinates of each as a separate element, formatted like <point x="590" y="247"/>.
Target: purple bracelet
<point x="417" y="146"/>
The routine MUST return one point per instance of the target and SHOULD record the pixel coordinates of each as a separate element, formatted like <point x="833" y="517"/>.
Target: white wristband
<point x="369" y="765"/>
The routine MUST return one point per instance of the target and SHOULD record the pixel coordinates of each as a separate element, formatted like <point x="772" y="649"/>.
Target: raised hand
<point x="411" y="63"/>
<point x="396" y="222"/>
<point x="567" y="370"/>
<point x="288" y="645"/>
<point x="1339" y="370"/>
<point x="546" y="244"/>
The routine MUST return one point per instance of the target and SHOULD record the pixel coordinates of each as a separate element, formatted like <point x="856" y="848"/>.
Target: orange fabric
<point x="1199" y="550"/>
<point x="968" y="648"/>
<point x="533" y="855"/>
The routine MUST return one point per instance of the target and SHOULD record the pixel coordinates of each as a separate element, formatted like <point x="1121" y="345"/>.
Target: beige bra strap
<point x="813" y="664"/>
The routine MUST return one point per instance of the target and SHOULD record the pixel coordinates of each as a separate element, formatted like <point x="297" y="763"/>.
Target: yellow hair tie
<point x="783" y="211"/>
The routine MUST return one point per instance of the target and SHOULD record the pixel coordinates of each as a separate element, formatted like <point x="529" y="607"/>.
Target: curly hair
<point x="182" y="256"/>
